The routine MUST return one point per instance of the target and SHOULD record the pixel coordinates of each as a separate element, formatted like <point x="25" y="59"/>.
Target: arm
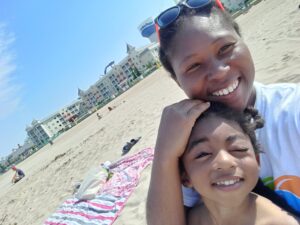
<point x="164" y="202"/>
<point x="14" y="177"/>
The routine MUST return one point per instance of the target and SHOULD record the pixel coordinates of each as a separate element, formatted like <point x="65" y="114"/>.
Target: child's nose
<point x="224" y="161"/>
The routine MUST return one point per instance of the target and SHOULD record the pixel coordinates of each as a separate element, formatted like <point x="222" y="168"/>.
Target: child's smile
<point x="220" y="161"/>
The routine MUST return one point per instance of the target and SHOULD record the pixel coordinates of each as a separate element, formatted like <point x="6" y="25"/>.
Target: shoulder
<point x="269" y="213"/>
<point x="277" y="91"/>
<point x="278" y="100"/>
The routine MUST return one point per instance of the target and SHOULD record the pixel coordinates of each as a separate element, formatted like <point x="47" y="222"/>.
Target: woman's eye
<point x="202" y="154"/>
<point x="225" y="49"/>
<point x="193" y="67"/>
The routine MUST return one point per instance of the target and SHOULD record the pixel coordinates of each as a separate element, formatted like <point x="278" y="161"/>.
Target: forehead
<point x="214" y="126"/>
<point x="200" y="31"/>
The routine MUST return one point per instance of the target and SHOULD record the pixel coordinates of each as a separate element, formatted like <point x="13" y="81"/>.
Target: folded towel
<point x="107" y="205"/>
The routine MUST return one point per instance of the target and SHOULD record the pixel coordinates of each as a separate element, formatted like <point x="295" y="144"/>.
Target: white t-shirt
<point x="279" y="105"/>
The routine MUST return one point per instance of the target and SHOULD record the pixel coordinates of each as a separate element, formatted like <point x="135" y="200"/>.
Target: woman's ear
<point x="185" y="180"/>
<point x="257" y="158"/>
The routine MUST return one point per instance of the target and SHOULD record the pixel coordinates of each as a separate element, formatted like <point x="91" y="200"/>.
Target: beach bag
<point x="92" y="184"/>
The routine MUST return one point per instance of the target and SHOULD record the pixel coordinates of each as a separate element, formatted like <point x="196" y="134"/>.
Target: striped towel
<point x="105" y="208"/>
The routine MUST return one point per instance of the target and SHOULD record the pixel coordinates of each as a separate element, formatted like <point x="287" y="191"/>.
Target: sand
<point x="272" y="31"/>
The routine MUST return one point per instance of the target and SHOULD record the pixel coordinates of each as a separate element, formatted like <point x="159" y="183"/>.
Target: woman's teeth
<point x="227" y="90"/>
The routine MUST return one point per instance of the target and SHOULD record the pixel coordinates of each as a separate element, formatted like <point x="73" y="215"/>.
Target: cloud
<point x="9" y="89"/>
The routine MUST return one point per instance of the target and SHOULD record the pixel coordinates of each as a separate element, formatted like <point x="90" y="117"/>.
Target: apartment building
<point x="119" y="76"/>
<point x="41" y="132"/>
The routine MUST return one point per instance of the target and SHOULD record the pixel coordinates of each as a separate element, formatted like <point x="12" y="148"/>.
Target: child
<point x="219" y="162"/>
<point x="201" y="47"/>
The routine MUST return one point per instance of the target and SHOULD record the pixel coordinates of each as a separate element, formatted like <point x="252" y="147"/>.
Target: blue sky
<point x="49" y="49"/>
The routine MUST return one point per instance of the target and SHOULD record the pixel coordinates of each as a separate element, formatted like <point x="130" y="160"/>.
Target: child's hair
<point x="167" y="34"/>
<point x="249" y="120"/>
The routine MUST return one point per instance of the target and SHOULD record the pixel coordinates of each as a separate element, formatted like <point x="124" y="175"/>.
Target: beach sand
<point x="272" y="31"/>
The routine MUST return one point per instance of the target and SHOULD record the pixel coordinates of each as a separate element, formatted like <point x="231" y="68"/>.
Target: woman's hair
<point x="167" y="34"/>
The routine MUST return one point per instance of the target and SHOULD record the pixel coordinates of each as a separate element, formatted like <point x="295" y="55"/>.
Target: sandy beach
<point x="272" y="31"/>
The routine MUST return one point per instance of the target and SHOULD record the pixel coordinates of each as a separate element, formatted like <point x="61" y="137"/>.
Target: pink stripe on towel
<point x="107" y="205"/>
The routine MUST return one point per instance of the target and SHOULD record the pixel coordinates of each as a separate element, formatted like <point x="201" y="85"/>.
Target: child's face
<point x="212" y="63"/>
<point x="220" y="161"/>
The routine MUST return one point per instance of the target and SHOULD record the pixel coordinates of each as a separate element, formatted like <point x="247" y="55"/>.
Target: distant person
<point x="99" y="116"/>
<point x="19" y="174"/>
<point x="110" y="108"/>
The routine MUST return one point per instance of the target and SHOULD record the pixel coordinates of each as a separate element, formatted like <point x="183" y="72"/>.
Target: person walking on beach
<point x="19" y="174"/>
<point x="202" y="49"/>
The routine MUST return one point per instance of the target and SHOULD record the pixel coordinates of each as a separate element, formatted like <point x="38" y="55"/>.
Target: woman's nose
<point x="218" y="70"/>
<point x="224" y="161"/>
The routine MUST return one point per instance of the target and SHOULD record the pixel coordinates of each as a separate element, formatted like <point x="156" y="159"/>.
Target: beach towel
<point x="108" y="203"/>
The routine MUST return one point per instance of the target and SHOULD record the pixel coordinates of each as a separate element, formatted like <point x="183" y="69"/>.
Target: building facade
<point x="234" y="5"/>
<point x="41" y="132"/>
<point x="119" y="77"/>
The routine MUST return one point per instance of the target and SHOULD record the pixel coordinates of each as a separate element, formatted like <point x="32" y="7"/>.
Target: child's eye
<point x="241" y="150"/>
<point x="202" y="155"/>
<point x="225" y="49"/>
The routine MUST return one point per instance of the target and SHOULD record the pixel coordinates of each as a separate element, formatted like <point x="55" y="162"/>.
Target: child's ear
<point x="185" y="180"/>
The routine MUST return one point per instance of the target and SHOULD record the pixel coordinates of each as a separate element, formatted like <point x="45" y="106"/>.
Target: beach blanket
<point x="107" y="205"/>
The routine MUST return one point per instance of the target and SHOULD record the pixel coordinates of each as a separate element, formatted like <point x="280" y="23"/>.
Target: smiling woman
<point x="202" y="49"/>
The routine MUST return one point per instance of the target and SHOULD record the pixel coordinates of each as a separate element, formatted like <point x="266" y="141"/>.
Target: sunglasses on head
<point x="170" y="15"/>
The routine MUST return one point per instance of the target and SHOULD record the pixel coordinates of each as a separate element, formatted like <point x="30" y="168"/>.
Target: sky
<point x="49" y="49"/>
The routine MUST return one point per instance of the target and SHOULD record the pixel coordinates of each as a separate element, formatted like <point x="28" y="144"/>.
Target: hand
<point x="175" y="127"/>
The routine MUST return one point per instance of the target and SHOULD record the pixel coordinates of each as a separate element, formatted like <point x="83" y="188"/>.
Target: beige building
<point x="119" y="76"/>
<point x="40" y="132"/>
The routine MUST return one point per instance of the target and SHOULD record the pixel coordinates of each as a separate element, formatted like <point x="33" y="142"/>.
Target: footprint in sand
<point x="286" y="57"/>
<point x="294" y="78"/>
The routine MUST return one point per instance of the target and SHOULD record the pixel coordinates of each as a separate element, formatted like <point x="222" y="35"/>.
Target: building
<point x="38" y="133"/>
<point x="147" y="30"/>
<point x="21" y="152"/>
<point x="119" y="77"/>
<point x="41" y="132"/>
<point x="234" y="5"/>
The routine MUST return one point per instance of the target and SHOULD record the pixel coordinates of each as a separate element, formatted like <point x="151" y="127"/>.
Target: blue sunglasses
<point x="170" y="15"/>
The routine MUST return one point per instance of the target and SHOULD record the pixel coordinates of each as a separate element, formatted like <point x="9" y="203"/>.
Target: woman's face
<point x="220" y="162"/>
<point x="212" y="63"/>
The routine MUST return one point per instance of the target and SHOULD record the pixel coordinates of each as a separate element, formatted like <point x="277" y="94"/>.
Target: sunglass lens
<point x="197" y="3"/>
<point x="168" y="17"/>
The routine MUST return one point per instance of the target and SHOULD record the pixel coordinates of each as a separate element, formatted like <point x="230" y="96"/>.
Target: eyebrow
<point x="229" y="140"/>
<point x="187" y="58"/>
<point x="234" y="137"/>
<point x="196" y="142"/>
